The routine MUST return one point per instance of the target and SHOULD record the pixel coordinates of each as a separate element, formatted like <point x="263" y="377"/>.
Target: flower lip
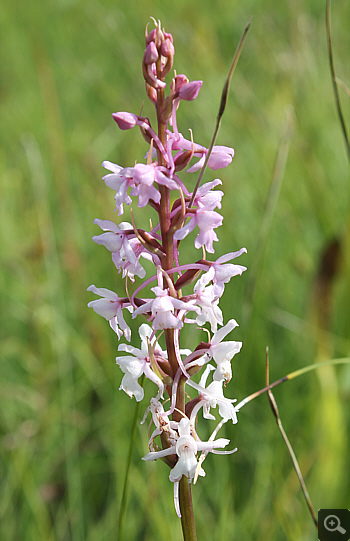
<point x="186" y="444"/>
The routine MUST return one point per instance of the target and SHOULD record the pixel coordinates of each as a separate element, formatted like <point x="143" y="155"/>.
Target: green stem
<point x="186" y="508"/>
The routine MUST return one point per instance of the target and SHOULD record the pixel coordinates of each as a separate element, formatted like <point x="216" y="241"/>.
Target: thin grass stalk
<point x="222" y="107"/>
<point x="275" y="411"/>
<point x="288" y="377"/>
<point x="334" y="78"/>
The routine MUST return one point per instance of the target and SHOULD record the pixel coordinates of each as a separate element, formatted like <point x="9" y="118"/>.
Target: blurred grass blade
<point x="334" y="78"/>
<point x="288" y="377"/>
<point x="223" y="101"/>
<point x="122" y="510"/>
<point x="275" y="411"/>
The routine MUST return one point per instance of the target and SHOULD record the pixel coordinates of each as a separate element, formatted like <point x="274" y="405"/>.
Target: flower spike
<point x="172" y="292"/>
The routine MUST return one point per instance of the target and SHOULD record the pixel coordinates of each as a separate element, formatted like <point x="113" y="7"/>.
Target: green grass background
<point x="65" y="428"/>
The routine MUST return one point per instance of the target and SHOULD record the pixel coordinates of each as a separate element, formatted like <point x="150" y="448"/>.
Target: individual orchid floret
<point x="225" y="271"/>
<point x="163" y="309"/>
<point x="222" y="272"/>
<point x="144" y="176"/>
<point x="130" y="266"/>
<point x="151" y="54"/>
<point x="180" y="88"/>
<point x="140" y="179"/>
<point x="214" y="395"/>
<point x="167" y="47"/>
<point x="149" y="67"/>
<point x="125" y="251"/>
<point x="125" y="120"/>
<point x="220" y="157"/>
<point x="119" y="180"/>
<point x="110" y="306"/>
<point x="223" y="352"/>
<point x="186" y="449"/>
<point x="183" y="89"/>
<point x="115" y="237"/>
<point x="190" y="90"/>
<point x="207" y="221"/>
<point x="204" y="216"/>
<point x="138" y="363"/>
<point x="208" y="199"/>
<point x="207" y="301"/>
<point x="167" y="52"/>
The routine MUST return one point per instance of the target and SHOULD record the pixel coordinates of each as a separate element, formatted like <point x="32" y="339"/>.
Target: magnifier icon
<point x="332" y="524"/>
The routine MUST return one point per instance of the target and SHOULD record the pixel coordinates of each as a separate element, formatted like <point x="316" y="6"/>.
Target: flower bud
<point x="150" y="75"/>
<point x="151" y="36"/>
<point x="187" y="278"/>
<point x="151" y="54"/>
<point x="159" y="37"/>
<point x="125" y="121"/>
<point x="151" y="93"/>
<point x="190" y="90"/>
<point x="182" y="160"/>
<point x="150" y="243"/>
<point x="163" y="376"/>
<point x="167" y="35"/>
<point x="167" y="49"/>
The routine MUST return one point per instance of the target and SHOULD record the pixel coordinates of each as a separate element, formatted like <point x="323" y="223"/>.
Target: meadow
<point x="65" y="427"/>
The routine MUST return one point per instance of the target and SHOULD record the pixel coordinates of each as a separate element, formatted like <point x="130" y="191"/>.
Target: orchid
<point x="225" y="271"/>
<point x="223" y="352"/>
<point x="138" y="363"/>
<point x="161" y="358"/>
<point x="186" y="448"/>
<point x="125" y="251"/>
<point x="162" y="308"/>
<point x="110" y="306"/>
<point x="144" y="177"/>
<point x="120" y="180"/>
<point x="208" y="302"/>
<point x="205" y="217"/>
<point x="213" y="395"/>
<point x="220" y="157"/>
